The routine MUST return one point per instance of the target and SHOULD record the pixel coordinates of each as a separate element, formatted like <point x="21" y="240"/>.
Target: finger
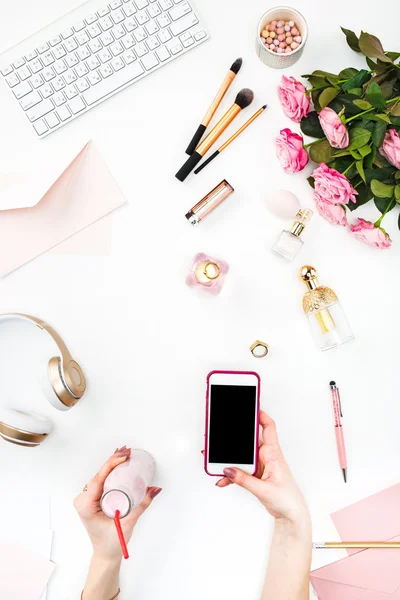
<point x="224" y="482"/>
<point x="137" y="512"/>
<point x="245" y="480"/>
<point x="96" y="485"/>
<point x="269" y="434"/>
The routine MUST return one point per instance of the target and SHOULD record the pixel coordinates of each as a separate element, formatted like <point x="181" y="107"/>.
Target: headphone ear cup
<point x="49" y="391"/>
<point x="22" y="428"/>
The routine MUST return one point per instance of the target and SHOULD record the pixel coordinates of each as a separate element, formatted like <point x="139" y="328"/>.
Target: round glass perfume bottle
<point x="328" y="323"/>
<point x="207" y="273"/>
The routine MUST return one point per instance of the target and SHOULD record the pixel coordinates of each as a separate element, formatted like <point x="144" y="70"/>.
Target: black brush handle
<point x="205" y="163"/>
<point x="196" y="139"/>
<point x="189" y="165"/>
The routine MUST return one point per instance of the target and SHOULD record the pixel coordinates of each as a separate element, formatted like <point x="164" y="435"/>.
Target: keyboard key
<point x="140" y="34"/>
<point x="52" y="120"/>
<point x="42" y="48"/>
<point x="130" y="24"/>
<point x="103" y="11"/>
<point x="151" y="27"/>
<point x="71" y="91"/>
<point x="188" y="42"/>
<point x="141" y="49"/>
<point x="56" y="40"/>
<point x="79" y="26"/>
<point x="164" y="36"/>
<point x="31" y="55"/>
<point x="94" y="30"/>
<point x="71" y="60"/>
<point x="67" y="33"/>
<point x="141" y="4"/>
<point x="71" y="44"/>
<point x="200" y="35"/>
<point x="95" y="45"/>
<point x="183" y="24"/>
<point x="107" y="38"/>
<point x="176" y="49"/>
<point x="40" y="110"/>
<point x="82" y="84"/>
<point x="106" y="70"/>
<point x="21" y="90"/>
<point x="117" y="63"/>
<point x="105" y="55"/>
<point x="93" y="62"/>
<point x="106" y="23"/>
<point x="162" y="53"/>
<point x="128" y="41"/>
<point x="94" y="78"/>
<point x="63" y="113"/>
<point x="149" y="61"/>
<point x="185" y="36"/>
<point x="49" y="73"/>
<point x="30" y="100"/>
<point x="59" y="98"/>
<point x="81" y="70"/>
<point x="115" y="4"/>
<point x="116" y="49"/>
<point x="106" y="87"/>
<point x="129" y="9"/>
<point x="47" y="90"/>
<point x="91" y="19"/>
<point x="70" y="77"/>
<point x="36" y="81"/>
<point x="18" y="63"/>
<point x="82" y="38"/>
<point x="180" y="11"/>
<point x="164" y="20"/>
<point x="12" y="80"/>
<point x="59" y="52"/>
<point x="154" y="10"/>
<point x="60" y="67"/>
<point x="166" y="4"/>
<point x="6" y="70"/>
<point x="142" y="18"/>
<point x="83" y="52"/>
<point x="153" y="43"/>
<point x="118" y="31"/>
<point x="40" y="127"/>
<point x="47" y="58"/>
<point x="24" y="73"/>
<point x="58" y="84"/>
<point x="129" y="56"/>
<point x="117" y="16"/>
<point x="36" y="65"/>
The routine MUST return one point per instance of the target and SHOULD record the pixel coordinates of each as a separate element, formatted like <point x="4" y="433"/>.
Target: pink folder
<point x="84" y="193"/>
<point x="372" y="574"/>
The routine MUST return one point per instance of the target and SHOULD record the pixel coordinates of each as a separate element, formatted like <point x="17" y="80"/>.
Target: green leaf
<point x="364" y="195"/>
<point x="310" y="126"/>
<point x="360" y="169"/>
<point x="370" y="63"/>
<point x="347" y="73"/>
<point x="387" y="89"/>
<point x="358" y="137"/>
<point x="317" y="81"/>
<point x="363" y="104"/>
<point x="370" y="159"/>
<point x="356" y="91"/>
<point x="397" y="193"/>
<point x="382" y="174"/>
<point x="394" y="108"/>
<point x="378" y="133"/>
<point x="379" y="117"/>
<point x="327" y="96"/>
<point x="345" y="101"/>
<point x="364" y="150"/>
<point x="355" y="154"/>
<point x="352" y="39"/>
<point x="393" y="55"/>
<point x="395" y="121"/>
<point x="397" y="175"/>
<point x="321" y="152"/>
<point x="357" y="80"/>
<point x="315" y="98"/>
<point x="375" y="97"/>
<point x="370" y="46"/>
<point x="382" y="204"/>
<point x="311" y="181"/>
<point x="325" y="74"/>
<point x="381" y="190"/>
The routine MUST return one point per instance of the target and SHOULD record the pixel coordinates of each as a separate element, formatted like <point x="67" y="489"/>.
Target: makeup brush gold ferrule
<point x="219" y="129"/>
<point x="226" y="84"/>
<point x="241" y="129"/>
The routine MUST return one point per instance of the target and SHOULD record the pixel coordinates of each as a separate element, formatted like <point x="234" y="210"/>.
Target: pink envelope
<point x="84" y="193"/>
<point x="372" y="574"/>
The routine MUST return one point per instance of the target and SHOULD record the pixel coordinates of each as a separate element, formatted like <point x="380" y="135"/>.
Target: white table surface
<point x="146" y="341"/>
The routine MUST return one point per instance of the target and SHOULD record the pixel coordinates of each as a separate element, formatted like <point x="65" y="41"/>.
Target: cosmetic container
<point x="209" y="202"/>
<point x="328" y="323"/>
<point x="289" y="242"/>
<point x="207" y="274"/>
<point x="127" y="484"/>
<point x="270" y="58"/>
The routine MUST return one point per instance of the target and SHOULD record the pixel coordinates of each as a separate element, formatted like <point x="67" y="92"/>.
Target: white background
<point x="146" y="341"/>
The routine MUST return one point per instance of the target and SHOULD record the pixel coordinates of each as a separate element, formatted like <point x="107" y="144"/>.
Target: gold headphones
<point x="64" y="387"/>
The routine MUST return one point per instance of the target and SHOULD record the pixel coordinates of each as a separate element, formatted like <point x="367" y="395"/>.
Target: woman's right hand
<point x="273" y="483"/>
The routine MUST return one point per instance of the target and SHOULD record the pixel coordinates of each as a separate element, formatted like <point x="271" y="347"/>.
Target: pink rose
<point x="333" y="213"/>
<point x="333" y="128"/>
<point x="290" y="151"/>
<point x="293" y="97"/>
<point x="331" y="186"/>
<point x="390" y="148"/>
<point x="368" y="233"/>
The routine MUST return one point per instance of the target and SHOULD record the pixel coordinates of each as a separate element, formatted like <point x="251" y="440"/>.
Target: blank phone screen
<point x="232" y="423"/>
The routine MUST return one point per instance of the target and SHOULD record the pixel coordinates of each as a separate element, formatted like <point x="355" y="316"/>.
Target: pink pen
<point x="337" y="411"/>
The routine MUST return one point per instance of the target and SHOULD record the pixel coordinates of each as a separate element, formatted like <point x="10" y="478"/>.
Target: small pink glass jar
<point x="207" y="273"/>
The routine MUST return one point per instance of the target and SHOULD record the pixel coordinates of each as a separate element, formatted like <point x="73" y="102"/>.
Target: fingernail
<point x="230" y="473"/>
<point x="217" y="484"/>
<point x="122" y="452"/>
<point x="155" y="492"/>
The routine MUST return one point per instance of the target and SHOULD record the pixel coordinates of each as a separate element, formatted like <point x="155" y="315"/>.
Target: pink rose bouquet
<point x="290" y="151"/>
<point x="390" y="148"/>
<point x="294" y="99"/>
<point x="336" y="133"/>
<point x="331" y="186"/>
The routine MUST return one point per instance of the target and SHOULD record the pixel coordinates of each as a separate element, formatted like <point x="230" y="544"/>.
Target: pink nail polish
<point x="155" y="492"/>
<point x="230" y="473"/>
<point x="207" y="273"/>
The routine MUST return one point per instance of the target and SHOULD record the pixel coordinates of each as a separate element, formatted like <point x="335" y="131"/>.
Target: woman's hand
<point x="101" y="529"/>
<point x="273" y="483"/>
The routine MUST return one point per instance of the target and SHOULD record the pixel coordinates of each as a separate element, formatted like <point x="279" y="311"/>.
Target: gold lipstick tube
<point x="209" y="202"/>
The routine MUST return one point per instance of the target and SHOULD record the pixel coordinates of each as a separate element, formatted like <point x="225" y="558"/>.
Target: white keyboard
<point x="69" y="71"/>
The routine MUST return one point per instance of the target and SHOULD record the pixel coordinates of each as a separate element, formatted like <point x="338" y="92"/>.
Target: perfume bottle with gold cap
<point x="328" y="322"/>
<point x="207" y="273"/>
<point x="289" y="242"/>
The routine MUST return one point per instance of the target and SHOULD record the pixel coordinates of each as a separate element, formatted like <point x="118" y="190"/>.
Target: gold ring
<point x="85" y="489"/>
<point x="255" y="349"/>
<point x="216" y="270"/>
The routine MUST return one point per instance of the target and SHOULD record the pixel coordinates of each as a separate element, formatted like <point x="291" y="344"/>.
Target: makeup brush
<point x="226" y="84"/>
<point x="231" y="139"/>
<point x="243" y="99"/>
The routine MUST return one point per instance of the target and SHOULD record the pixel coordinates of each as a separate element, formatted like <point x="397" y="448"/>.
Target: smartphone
<point x="232" y="420"/>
